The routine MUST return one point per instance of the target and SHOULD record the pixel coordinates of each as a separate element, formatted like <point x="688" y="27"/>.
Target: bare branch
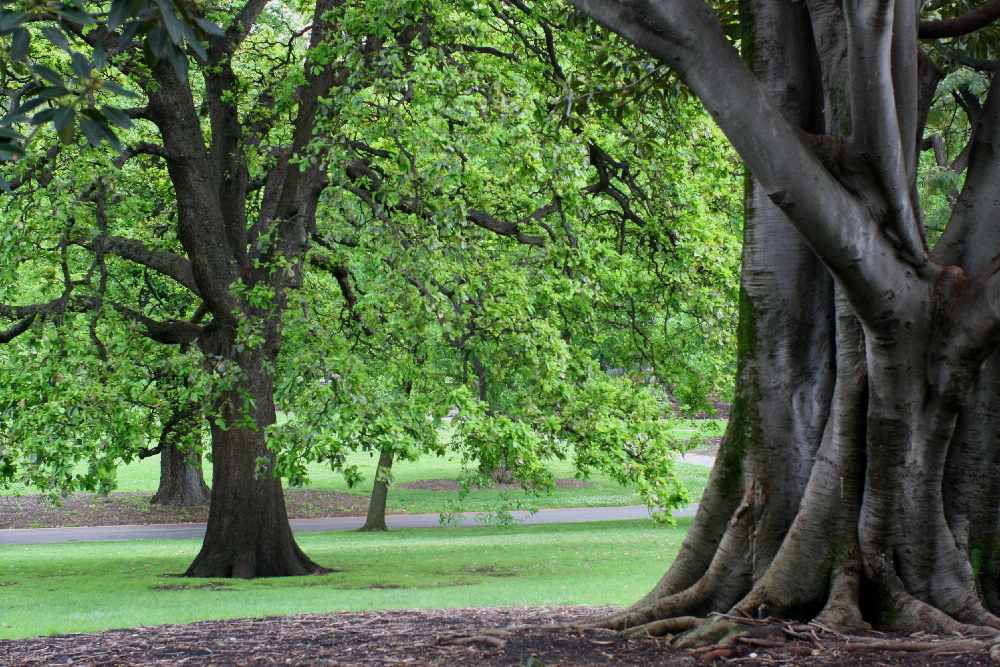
<point x="169" y="264"/>
<point x="969" y="240"/>
<point x="16" y="330"/>
<point x="170" y="332"/>
<point x="980" y="17"/>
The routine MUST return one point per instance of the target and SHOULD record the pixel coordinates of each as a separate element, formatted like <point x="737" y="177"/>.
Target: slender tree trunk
<point x="181" y="479"/>
<point x="380" y="491"/>
<point x="248" y="534"/>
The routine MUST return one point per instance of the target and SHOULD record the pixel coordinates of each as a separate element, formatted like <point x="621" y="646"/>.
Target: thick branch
<point x="171" y="332"/>
<point x="980" y="17"/>
<point x="23" y="312"/>
<point x="970" y="239"/>
<point x="883" y="114"/>
<point x="487" y="221"/>
<point x="16" y="330"/>
<point x="169" y="264"/>
<point x="686" y="36"/>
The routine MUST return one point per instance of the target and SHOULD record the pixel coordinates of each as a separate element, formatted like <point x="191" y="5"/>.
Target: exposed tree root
<point x="913" y="615"/>
<point x="667" y="626"/>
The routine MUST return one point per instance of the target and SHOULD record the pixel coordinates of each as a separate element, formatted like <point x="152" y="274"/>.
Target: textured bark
<point x="227" y="260"/>
<point x="248" y="534"/>
<point x="375" y="521"/>
<point x="891" y="516"/>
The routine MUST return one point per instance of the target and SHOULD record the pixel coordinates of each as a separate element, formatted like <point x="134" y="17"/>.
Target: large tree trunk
<point x="380" y="492"/>
<point x="248" y="534"/>
<point x="181" y="479"/>
<point x="878" y="503"/>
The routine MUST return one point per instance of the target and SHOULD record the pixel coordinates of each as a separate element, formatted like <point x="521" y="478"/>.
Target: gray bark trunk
<point x="893" y="527"/>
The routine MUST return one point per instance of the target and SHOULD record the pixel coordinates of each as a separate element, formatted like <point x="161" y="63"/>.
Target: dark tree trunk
<point x="380" y="491"/>
<point x="181" y="479"/>
<point x="248" y="534"/>
<point x="857" y="481"/>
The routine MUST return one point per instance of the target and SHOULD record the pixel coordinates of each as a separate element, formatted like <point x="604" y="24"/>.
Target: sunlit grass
<point x="85" y="587"/>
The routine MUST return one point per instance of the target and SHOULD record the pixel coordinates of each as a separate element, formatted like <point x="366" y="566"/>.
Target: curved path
<point x="189" y="531"/>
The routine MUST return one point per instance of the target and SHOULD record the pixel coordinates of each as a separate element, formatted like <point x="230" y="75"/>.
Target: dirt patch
<point x="476" y="636"/>
<point x="123" y="509"/>
<point x="453" y="485"/>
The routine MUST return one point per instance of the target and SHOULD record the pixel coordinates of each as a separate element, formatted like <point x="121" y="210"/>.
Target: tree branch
<point x="837" y="225"/>
<point x="980" y="17"/>
<point x="170" y="332"/>
<point x="169" y="264"/>
<point x="16" y="330"/>
<point x="969" y="240"/>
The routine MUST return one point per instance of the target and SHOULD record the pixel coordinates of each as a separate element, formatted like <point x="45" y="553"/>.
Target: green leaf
<point x="63" y="118"/>
<point x="210" y="28"/>
<point x="178" y="60"/>
<point x="91" y="130"/>
<point x="118" y="89"/>
<point x="48" y="74"/>
<point x="129" y="33"/>
<point x="100" y="57"/>
<point x="63" y="121"/>
<point x="51" y="93"/>
<point x="10" y="20"/>
<point x="116" y="116"/>
<point x="43" y="116"/>
<point x="10" y="151"/>
<point x="170" y="21"/>
<point x="81" y="66"/>
<point x="194" y="42"/>
<point x="20" y="44"/>
<point x="120" y="10"/>
<point x="56" y="36"/>
<point x="75" y="15"/>
<point x="156" y="39"/>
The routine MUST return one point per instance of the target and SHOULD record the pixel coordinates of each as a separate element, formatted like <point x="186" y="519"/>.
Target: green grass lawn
<point x="85" y="587"/>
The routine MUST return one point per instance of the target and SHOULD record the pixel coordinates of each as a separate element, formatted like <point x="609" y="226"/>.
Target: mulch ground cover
<point x="477" y="636"/>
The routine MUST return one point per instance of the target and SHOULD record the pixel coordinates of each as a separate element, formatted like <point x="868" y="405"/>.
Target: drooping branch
<point x="978" y="18"/>
<point x="342" y="275"/>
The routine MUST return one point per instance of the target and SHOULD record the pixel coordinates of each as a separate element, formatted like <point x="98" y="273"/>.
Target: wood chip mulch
<point x="524" y="636"/>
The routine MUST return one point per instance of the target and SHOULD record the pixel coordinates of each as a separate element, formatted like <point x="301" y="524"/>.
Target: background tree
<point x="247" y="146"/>
<point x="868" y="498"/>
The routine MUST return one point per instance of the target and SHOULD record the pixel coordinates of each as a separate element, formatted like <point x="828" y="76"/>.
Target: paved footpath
<point x="190" y="531"/>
